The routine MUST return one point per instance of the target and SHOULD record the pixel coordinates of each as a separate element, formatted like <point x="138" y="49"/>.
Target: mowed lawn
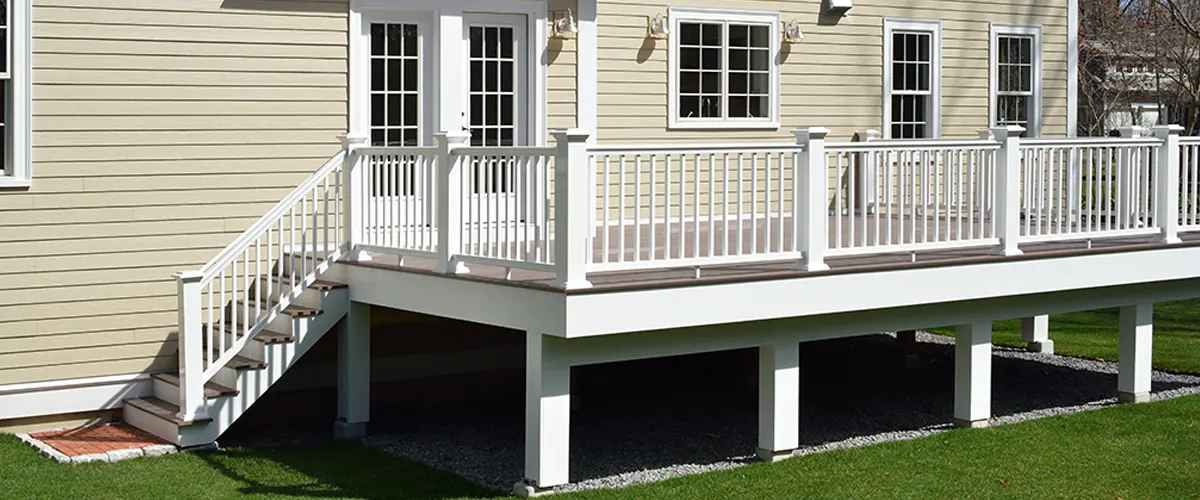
<point x="1093" y="334"/>
<point x="1134" y="451"/>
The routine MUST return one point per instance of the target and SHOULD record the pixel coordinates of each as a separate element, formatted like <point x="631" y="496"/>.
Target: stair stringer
<point x="253" y="384"/>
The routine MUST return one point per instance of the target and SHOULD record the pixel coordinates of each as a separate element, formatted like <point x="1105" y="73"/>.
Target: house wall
<point x="833" y="78"/>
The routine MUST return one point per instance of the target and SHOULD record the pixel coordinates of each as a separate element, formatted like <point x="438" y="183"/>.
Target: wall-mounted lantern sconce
<point x="657" y="28"/>
<point x="792" y="32"/>
<point x="838" y="7"/>
<point x="564" y="27"/>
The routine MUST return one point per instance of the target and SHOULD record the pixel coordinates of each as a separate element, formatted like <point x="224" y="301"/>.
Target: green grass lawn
<point x="1135" y="451"/>
<point x="1093" y="334"/>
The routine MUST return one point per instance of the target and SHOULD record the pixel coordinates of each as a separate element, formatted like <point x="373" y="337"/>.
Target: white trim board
<point x="79" y="395"/>
<point x="1072" y="68"/>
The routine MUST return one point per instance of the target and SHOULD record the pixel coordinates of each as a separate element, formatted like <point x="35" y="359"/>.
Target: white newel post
<point x="192" y="406"/>
<point x="868" y="180"/>
<point x="1007" y="210"/>
<point x="810" y="215"/>
<point x="1166" y="183"/>
<point x="573" y="227"/>
<point x="449" y="202"/>
<point x="354" y="196"/>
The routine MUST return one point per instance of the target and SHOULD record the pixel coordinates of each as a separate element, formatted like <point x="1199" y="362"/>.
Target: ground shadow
<point x="702" y="409"/>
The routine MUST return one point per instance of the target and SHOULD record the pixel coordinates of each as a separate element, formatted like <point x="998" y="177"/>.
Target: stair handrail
<point x="225" y="256"/>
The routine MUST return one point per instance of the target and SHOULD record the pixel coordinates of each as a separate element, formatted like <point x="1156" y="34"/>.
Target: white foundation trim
<point x="37" y="399"/>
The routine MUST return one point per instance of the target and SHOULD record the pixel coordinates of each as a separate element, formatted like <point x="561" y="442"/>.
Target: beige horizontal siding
<point x="161" y="130"/>
<point x="831" y="79"/>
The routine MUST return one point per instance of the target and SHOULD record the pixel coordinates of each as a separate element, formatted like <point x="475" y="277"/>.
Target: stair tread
<point x="295" y="310"/>
<point x="211" y="389"/>
<point x="256" y="337"/>
<point x="162" y="409"/>
<point x="269" y="337"/>
<point x="321" y="284"/>
<point x="240" y="362"/>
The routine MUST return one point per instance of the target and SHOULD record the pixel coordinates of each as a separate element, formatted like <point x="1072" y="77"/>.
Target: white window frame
<point x="679" y="15"/>
<point x="1035" y="108"/>
<point x="16" y="171"/>
<point x="934" y="28"/>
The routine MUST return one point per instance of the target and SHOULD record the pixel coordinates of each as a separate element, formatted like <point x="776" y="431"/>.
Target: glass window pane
<point x="760" y="36"/>
<point x="378" y="114"/>
<point x="394" y="79"/>
<point x="689" y="58"/>
<point x="411" y="110"/>
<point x="710" y="83"/>
<point x="924" y="52"/>
<point x="689" y="34"/>
<point x="760" y="83"/>
<point x="395" y="36"/>
<point x="507" y="76"/>
<point x="476" y="36"/>
<point x="739" y="35"/>
<point x="377" y="39"/>
<point x="491" y="73"/>
<point x="739" y="59"/>
<point x="689" y="82"/>
<point x="506" y="42"/>
<point x="491" y="42"/>
<point x="506" y="110"/>
<point x="738" y="107"/>
<point x="689" y="106"/>
<point x="411" y="74"/>
<point x="710" y="34"/>
<point x="760" y="107"/>
<point x="410" y="40"/>
<point x="476" y="76"/>
<point x="378" y="75"/>
<point x="710" y="58"/>
<point x="760" y="60"/>
<point x="739" y="83"/>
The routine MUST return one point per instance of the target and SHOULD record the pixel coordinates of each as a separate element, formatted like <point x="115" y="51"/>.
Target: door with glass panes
<point x="495" y="110"/>
<point x="400" y="114"/>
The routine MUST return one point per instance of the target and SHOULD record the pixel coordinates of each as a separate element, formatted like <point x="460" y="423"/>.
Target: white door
<point x="400" y="114"/>
<point x="496" y="111"/>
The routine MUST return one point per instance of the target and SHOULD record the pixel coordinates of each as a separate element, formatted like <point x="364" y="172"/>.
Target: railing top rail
<point x="646" y="149"/>
<point x="1090" y="142"/>
<point x="913" y="144"/>
<point x="504" y="151"/>
<point x="396" y="150"/>
<point x="1190" y="140"/>
<point x="231" y="252"/>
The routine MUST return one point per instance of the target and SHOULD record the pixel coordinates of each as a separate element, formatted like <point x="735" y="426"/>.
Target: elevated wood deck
<point x="682" y="275"/>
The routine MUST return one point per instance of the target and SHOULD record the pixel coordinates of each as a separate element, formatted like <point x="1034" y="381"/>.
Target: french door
<point x="495" y="108"/>
<point x="400" y="114"/>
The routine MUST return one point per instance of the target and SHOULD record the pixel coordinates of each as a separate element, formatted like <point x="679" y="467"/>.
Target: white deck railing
<point x="693" y="205"/>
<point x="911" y="195"/>
<point x="397" y="206"/>
<point x="1189" y="184"/>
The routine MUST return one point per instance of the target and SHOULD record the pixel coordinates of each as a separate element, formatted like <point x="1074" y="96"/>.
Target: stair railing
<point x="233" y="297"/>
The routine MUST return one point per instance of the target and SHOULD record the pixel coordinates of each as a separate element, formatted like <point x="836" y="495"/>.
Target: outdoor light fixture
<point x="838" y="6"/>
<point x="657" y="27"/>
<point x="792" y="32"/>
<point x="564" y="25"/>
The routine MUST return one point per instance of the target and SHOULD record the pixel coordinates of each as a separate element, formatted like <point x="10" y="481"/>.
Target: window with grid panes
<point x="493" y="73"/>
<point x="1015" y="86"/>
<point x="395" y="85"/>
<point x="14" y="94"/>
<point x="912" y="85"/>
<point x="724" y="69"/>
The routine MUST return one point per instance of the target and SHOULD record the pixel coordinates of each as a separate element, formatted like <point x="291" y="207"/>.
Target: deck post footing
<point x="971" y="424"/>
<point x="343" y="430"/>
<point x="1131" y="397"/>
<point x="1040" y="346"/>
<point x="775" y="456"/>
<point x="524" y="489"/>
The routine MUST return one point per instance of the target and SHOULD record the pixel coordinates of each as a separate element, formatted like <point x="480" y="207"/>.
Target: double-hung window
<point x="912" y="79"/>
<point x="1016" y="66"/>
<point x="14" y="78"/>
<point x="724" y="71"/>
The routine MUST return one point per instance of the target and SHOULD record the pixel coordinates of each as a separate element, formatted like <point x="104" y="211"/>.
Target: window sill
<point x="15" y="183"/>
<point x="684" y="125"/>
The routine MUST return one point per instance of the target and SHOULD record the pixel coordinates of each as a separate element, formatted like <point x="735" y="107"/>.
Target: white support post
<point x="547" y="418"/>
<point x="354" y="196"/>
<point x="778" y="400"/>
<point x="1166" y="183"/>
<point x="354" y="373"/>
<point x="1007" y="209"/>
<point x="574" y="191"/>
<point x="973" y="374"/>
<point x="1134" y="353"/>
<point x="451" y="190"/>
<point x="192" y="405"/>
<point x="1035" y="331"/>
<point x="868" y="180"/>
<point x="809" y="208"/>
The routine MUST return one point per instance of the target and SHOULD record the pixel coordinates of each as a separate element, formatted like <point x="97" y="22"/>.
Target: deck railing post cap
<point x="1166" y="130"/>
<point x="353" y="139"/>
<point x="571" y="134"/>
<point x="1006" y="132"/>
<point x="867" y="135"/>
<point x="1133" y="132"/>
<point x="453" y="137"/>
<point x="188" y="276"/>
<point x="810" y="133"/>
